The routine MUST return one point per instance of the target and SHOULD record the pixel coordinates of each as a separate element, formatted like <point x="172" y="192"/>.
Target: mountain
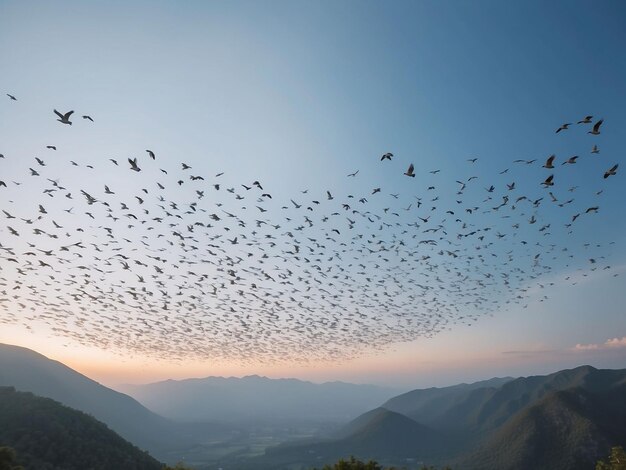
<point x="29" y="371"/>
<point x="482" y="407"/>
<point x="258" y="399"/>
<point x="49" y="436"/>
<point x="564" y="430"/>
<point x="427" y="405"/>
<point x="567" y="419"/>
<point x="380" y="434"/>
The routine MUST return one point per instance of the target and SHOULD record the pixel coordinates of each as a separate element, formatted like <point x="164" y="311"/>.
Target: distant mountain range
<point x="565" y="420"/>
<point x="258" y="399"/>
<point x="49" y="436"/>
<point x="29" y="371"/>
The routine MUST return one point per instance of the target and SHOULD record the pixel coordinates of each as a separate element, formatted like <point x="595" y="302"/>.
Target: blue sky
<point x="299" y="94"/>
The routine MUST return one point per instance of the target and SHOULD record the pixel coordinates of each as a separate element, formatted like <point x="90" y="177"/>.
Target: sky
<point x="297" y="95"/>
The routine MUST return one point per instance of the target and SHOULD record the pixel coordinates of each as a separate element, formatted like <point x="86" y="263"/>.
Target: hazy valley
<point x="565" y="420"/>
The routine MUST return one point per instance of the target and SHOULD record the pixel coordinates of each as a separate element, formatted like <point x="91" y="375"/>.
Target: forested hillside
<point x="49" y="436"/>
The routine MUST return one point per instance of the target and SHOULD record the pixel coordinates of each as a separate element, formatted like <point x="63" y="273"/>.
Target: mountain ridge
<point x="29" y="371"/>
<point x="258" y="399"/>
<point x="50" y="436"/>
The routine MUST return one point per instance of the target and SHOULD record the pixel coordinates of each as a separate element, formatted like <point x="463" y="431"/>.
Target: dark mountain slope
<point x="49" y="436"/>
<point x="565" y="430"/>
<point x="477" y="410"/>
<point x="29" y="371"/>
<point x="499" y="406"/>
<point x="426" y="405"/>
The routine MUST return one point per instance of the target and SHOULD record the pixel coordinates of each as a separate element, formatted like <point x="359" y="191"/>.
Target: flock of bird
<point x="180" y="264"/>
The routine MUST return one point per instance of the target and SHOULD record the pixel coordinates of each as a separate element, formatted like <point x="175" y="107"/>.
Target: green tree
<point x="354" y="464"/>
<point x="179" y="466"/>
<point x="7" y="459"/>
<point x="617" y="460"/>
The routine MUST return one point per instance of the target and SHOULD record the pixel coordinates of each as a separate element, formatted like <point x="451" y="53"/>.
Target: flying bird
<point x="386" y="156"/>
<point x="563" y="127"/>
<point x="410" y="171"/>
<point x="133" y="164"/>
<point x="596" y="128"/>
<point x="64" y="118"/>
<point x="611" y="171"/>
<point x="549" y="162"/>
<point x="549" y="181"/>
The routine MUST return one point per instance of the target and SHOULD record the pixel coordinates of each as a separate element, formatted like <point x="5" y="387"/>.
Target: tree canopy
<point x="617" y="460"/>
<point x="354" y="464"/>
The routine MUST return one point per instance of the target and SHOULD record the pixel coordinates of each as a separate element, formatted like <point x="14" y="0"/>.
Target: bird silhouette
<point x="64" y="118"/>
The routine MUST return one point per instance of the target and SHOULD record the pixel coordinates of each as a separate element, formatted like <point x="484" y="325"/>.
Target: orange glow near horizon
<point x="449" y="358"/>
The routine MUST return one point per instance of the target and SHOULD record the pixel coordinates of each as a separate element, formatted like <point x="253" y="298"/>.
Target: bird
<point x="410" y="171"/>
<point x="13" y="98"/>
<point x="472" y="160"/>
<point x="596" y="128"/>
<point x="549" y="181"/>
<point x="611" y="171"/>
<point x="354" y="174"/>
<point x="586" y="120"/>
<point x="64" y="118"/>
<point x="549" y="162"/>
<point x="151" y="153"/>
<point x="570" y="160"/>
<point x="87" y="118"/>
<point x="51" y="147"/>
<point x="563" y="127"/>
<point x="133" y="164"/>
<point x="595" y="149"/>
<point x="386" y="156"/>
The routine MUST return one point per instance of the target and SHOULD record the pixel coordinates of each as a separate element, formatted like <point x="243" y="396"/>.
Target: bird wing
<point x="596" y="126"/>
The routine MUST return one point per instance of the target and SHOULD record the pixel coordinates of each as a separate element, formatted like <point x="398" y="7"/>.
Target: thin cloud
<point x="586" y="347"/>
<point x="611" y="343"/>
<point x="616" y="342"/>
